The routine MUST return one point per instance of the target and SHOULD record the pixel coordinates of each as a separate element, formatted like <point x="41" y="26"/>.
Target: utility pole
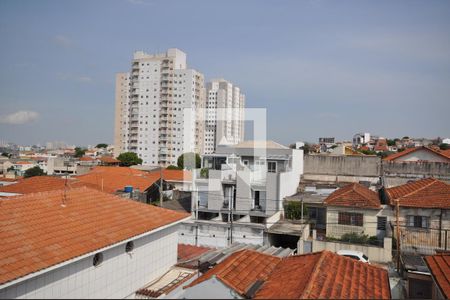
<point x="231" y="214"/>
<point x="160" y="186"/>
<point x="397" y="212"/>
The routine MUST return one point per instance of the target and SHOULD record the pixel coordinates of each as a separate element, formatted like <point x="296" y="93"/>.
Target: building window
<point x="97" y="260"/>
<point x="129" y="247"/>
<point x="271" y="167"/>
<point x="418" y="221"/>
<point x="352" y="219"/>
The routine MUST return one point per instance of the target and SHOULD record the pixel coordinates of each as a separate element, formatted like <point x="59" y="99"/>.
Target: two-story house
<point x="423" y="213"/>
<point x="241" y="190"/>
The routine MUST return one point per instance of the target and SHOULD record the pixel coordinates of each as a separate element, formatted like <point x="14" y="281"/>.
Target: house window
<point x="256" y="198"/>
<point x="245" y="161"/>
<point x="418" y="221"/>
<point x="271" y="167"/>
<point x="352" y="219"/>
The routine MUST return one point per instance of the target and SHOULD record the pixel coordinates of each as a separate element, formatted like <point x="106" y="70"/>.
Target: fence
<point x="425" y="241"/>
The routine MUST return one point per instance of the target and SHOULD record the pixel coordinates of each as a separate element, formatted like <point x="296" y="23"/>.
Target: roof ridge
<point x="314" y="274"/>
<point x="365" y="196"/>
<point x="434" y="180"/>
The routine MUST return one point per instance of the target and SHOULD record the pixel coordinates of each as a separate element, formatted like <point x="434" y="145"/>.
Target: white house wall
<point x="119" y="276"/>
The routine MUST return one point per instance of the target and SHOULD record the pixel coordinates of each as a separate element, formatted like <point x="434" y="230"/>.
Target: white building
<point x="224" y="115"/>
<point x="83" y="244"/>
<point x="246" y="183"/>
<point x="158" y="107"/>
<point x="360" y="139"/>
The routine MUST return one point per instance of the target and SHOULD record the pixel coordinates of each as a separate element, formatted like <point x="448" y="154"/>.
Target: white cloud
<point x="63" y="41"/>
<point x="86" y="79"/>
<point x="140" y="2"/>
<point x="19" y="117"/>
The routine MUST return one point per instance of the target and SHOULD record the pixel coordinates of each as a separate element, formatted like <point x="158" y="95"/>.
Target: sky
<point x="320" y="68"/>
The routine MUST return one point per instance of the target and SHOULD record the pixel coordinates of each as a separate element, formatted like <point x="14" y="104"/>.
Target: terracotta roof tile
<point x="394" y="156"/>
<point x="425" y="193"/>
<point x="188" y="252"/>
<point x="320" y="275"/>
<point x="354" y="195"/>
<point x="41" y="184"/>
<point x="439" y="266"/>
<point x="37" y="231"/>
<point x="86" y="158"/>
<point x="112" y="179"/>
<point x="109" y="160"/>
<point x="241" y="269"/>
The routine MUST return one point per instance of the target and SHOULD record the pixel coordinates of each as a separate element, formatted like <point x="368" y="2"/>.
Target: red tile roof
<point x="394" y="156"/>
<point x="241" y="269"/>
<point x="439" y="266"/>
<point x="116" y="178"/>
<point x="41" y="184"/>
<point x="425" y="193"/>
<point x="187" y="252"/>
<point x="354" y="195"/>
<point x="38" y="232"/>
<point x="381" y="145"/>
<point x="320" y="275"/>
<point x="86" y="158"/>
<point x="112" y="179"/>
<point x="109" y="160"/>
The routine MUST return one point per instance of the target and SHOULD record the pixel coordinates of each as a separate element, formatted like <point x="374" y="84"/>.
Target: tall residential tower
<point x="159" y="108"/>
<point x="224" y="115"/>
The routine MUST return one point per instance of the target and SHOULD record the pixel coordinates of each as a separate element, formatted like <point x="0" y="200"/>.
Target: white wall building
<point x="246" y="183"/>
<point x="112" y="248"/>
<point x="224" y="115"/>
<point x="157" y="108"/>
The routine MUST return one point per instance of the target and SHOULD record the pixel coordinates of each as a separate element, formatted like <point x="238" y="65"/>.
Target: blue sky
<point x="321" y="68"/>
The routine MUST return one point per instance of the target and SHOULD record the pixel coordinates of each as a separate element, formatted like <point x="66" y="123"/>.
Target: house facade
<point x="355" y="209"/>
<point x="110" y="249"/>
<point x="245" y="185"/>
<point x="424" y="215"/>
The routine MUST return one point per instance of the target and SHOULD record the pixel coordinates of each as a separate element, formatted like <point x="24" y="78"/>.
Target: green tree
<point x="391" y="142"/>
<point x="185" y="161"/>
<point x="129" y="159"/>
<point x="35" y="171"/>
<point x="293" y="210"/>
<point x="79" y="152"/>
<point x="103" y="145"/>
<point x="172" y="167"/>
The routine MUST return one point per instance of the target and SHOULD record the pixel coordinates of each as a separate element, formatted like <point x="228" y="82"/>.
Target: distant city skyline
<point x="320" y="68"/>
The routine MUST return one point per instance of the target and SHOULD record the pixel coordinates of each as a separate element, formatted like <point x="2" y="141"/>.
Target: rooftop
<point x="439" y="266"/>
<point x="112" y="179"/>
<point x="309" y="276"/>
<point x="39" y="231"/>
<point x="41" y="184"/>
<point x="260" y="145"/>
<point x="424" y="193"/>
<point x="354" y="195"/>
<point x="394" y="156"/>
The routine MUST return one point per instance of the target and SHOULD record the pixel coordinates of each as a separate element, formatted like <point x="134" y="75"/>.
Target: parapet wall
<point x="342" y="168"/>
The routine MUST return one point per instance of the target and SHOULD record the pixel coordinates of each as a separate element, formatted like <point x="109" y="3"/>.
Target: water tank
<point x="128" y="189"/>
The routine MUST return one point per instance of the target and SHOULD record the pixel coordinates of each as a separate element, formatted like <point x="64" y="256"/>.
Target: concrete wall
<point x="375" y="254"/>
<point x="365" y="166"/>
<point x="216" y="234"/>
<point x="424" y="241"/>
<point x="331" y="168"/>
<point x="337" y="230"/>
<point x="118" y="276"/>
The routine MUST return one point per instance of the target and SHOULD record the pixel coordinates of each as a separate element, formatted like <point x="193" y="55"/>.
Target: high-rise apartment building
<point x="159" y="108"/>
<point x="224" y="115"/>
